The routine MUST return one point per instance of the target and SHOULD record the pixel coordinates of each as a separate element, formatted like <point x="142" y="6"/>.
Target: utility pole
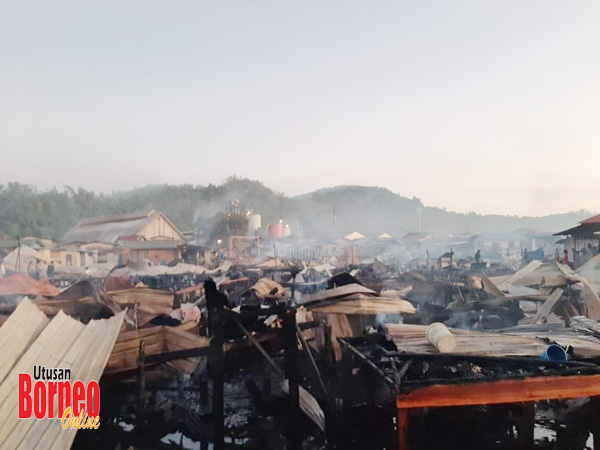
<point x="18" y="263"/>
<point x="334" y="221"/>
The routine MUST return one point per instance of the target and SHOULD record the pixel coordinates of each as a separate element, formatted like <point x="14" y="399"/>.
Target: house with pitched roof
<point x="150" y="226"/>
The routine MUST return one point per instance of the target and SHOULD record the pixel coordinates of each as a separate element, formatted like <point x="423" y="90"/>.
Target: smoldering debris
<point x="326" y="346"/>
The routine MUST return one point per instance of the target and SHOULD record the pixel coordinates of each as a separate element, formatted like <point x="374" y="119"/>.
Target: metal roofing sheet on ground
<point x="62" y="342"/>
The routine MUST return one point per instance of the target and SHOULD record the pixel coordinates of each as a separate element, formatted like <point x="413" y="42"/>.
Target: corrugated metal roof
<point x="150" y="245"/>
<point x="116" y="218"/>
<point x="27" y="338"/>
<point x="591" y="220"/>
<point x="105" y="230"/>
<point x="583" y="230"/>
<point x="109" y="229"/>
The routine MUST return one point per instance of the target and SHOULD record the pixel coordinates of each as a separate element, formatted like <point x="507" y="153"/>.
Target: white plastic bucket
<point x="440" y="337"/>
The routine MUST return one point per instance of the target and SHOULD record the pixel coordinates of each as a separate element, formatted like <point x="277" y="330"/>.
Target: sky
<point x="490" y="107"/>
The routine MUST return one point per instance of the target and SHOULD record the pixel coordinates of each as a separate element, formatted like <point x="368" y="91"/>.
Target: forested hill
<point x="27" y="211"/>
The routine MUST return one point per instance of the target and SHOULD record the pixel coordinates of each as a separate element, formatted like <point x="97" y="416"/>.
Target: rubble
<point x="316" y="342"/>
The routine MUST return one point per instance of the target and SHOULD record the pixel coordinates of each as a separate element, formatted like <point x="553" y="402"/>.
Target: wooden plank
<point x="184" y="365"/>
<point x="547" y="307"/>
<point x="591" y="301"/>
<point x="505" y="391"/>
<point x="411" y="339"/>
<point x="131" y="354"/>
<point x="137" y="334"/>
<point x="176" y="335"/>
<point x="372" y="305"/>
<point x="190" y="327"/>
<point x="134" y="344"/>
<point x="341" y="291"/>
<point x="177" y="354"/>
<point x="524" y="272"/>
<point x="340" y="327"/>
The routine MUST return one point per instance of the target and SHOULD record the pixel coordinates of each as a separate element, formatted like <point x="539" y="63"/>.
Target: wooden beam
<point x="177" y="354"/>
<point x="402" y="429"/>
<point x="525" y="426"/>
<point x="505" y="391"/>
<point x="547" y="307"/>
<point x="293" y="376"/>
<point x="141" y="387"/>
<point x="595" y="401"/>
<point x="216" y="302"/>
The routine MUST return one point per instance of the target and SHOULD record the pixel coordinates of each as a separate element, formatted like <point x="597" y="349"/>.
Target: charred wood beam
<point x="293" y="376"/>
<point x="309" y="325"/>
<point x="525" y="426"/>
<point x="595" y="426"/>
<point x="251" y="338"/>
<point x="216" y="302"/>
<point x="177" y="354"/>
<point x="366" y="361"/>
<point x="328" y="353"/>
<point x="314" y="366"/>
<point x="521" y="360"/>
<point x="419" y="384"/>
<point x="141" y="386"/>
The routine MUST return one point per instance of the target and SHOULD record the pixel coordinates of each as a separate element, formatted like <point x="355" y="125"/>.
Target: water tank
<point x="287" y="231"/>
<point x="254" y="223"/>
<point x="275" y="230"/>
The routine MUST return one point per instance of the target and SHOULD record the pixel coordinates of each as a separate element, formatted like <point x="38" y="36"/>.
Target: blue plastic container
<point x="554" y="352"/>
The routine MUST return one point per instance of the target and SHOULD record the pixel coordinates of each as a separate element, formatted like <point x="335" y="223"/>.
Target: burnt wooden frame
<point x="461" y="392"/>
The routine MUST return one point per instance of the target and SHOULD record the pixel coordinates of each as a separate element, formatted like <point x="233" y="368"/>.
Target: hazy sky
<point x="473" y="106"/>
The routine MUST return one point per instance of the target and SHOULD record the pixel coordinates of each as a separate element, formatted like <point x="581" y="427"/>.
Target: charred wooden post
<point x="595" y="402"/>
<point x="347" y="390"/>
<point x="327" y="408"/>
<point x="525" y="426"/>
<point x="370" y="381"/>
<point x="328" y="349"/>
<point x="215" y="303"/>
<point x="292" y="374"/>
<point x="266" y="384"/>
<point x="141" y="385"/>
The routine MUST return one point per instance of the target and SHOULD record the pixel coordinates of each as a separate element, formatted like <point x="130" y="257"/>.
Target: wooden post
<point x="266" y="372"/>
<point x="402" y="429"/>
<point x="141" y="385"/>
<point x="329" y="355"/>
<point x="292" y="374"/>
<point x="347" y="397"/>
<point x="370" y="382"/>
<point x="215" y="303"/>
<point x="596" y="421"/>
<point x="525" y="426"/>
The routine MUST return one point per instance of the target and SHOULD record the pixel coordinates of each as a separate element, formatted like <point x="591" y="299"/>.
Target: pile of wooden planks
<point x="157" y="340"/>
